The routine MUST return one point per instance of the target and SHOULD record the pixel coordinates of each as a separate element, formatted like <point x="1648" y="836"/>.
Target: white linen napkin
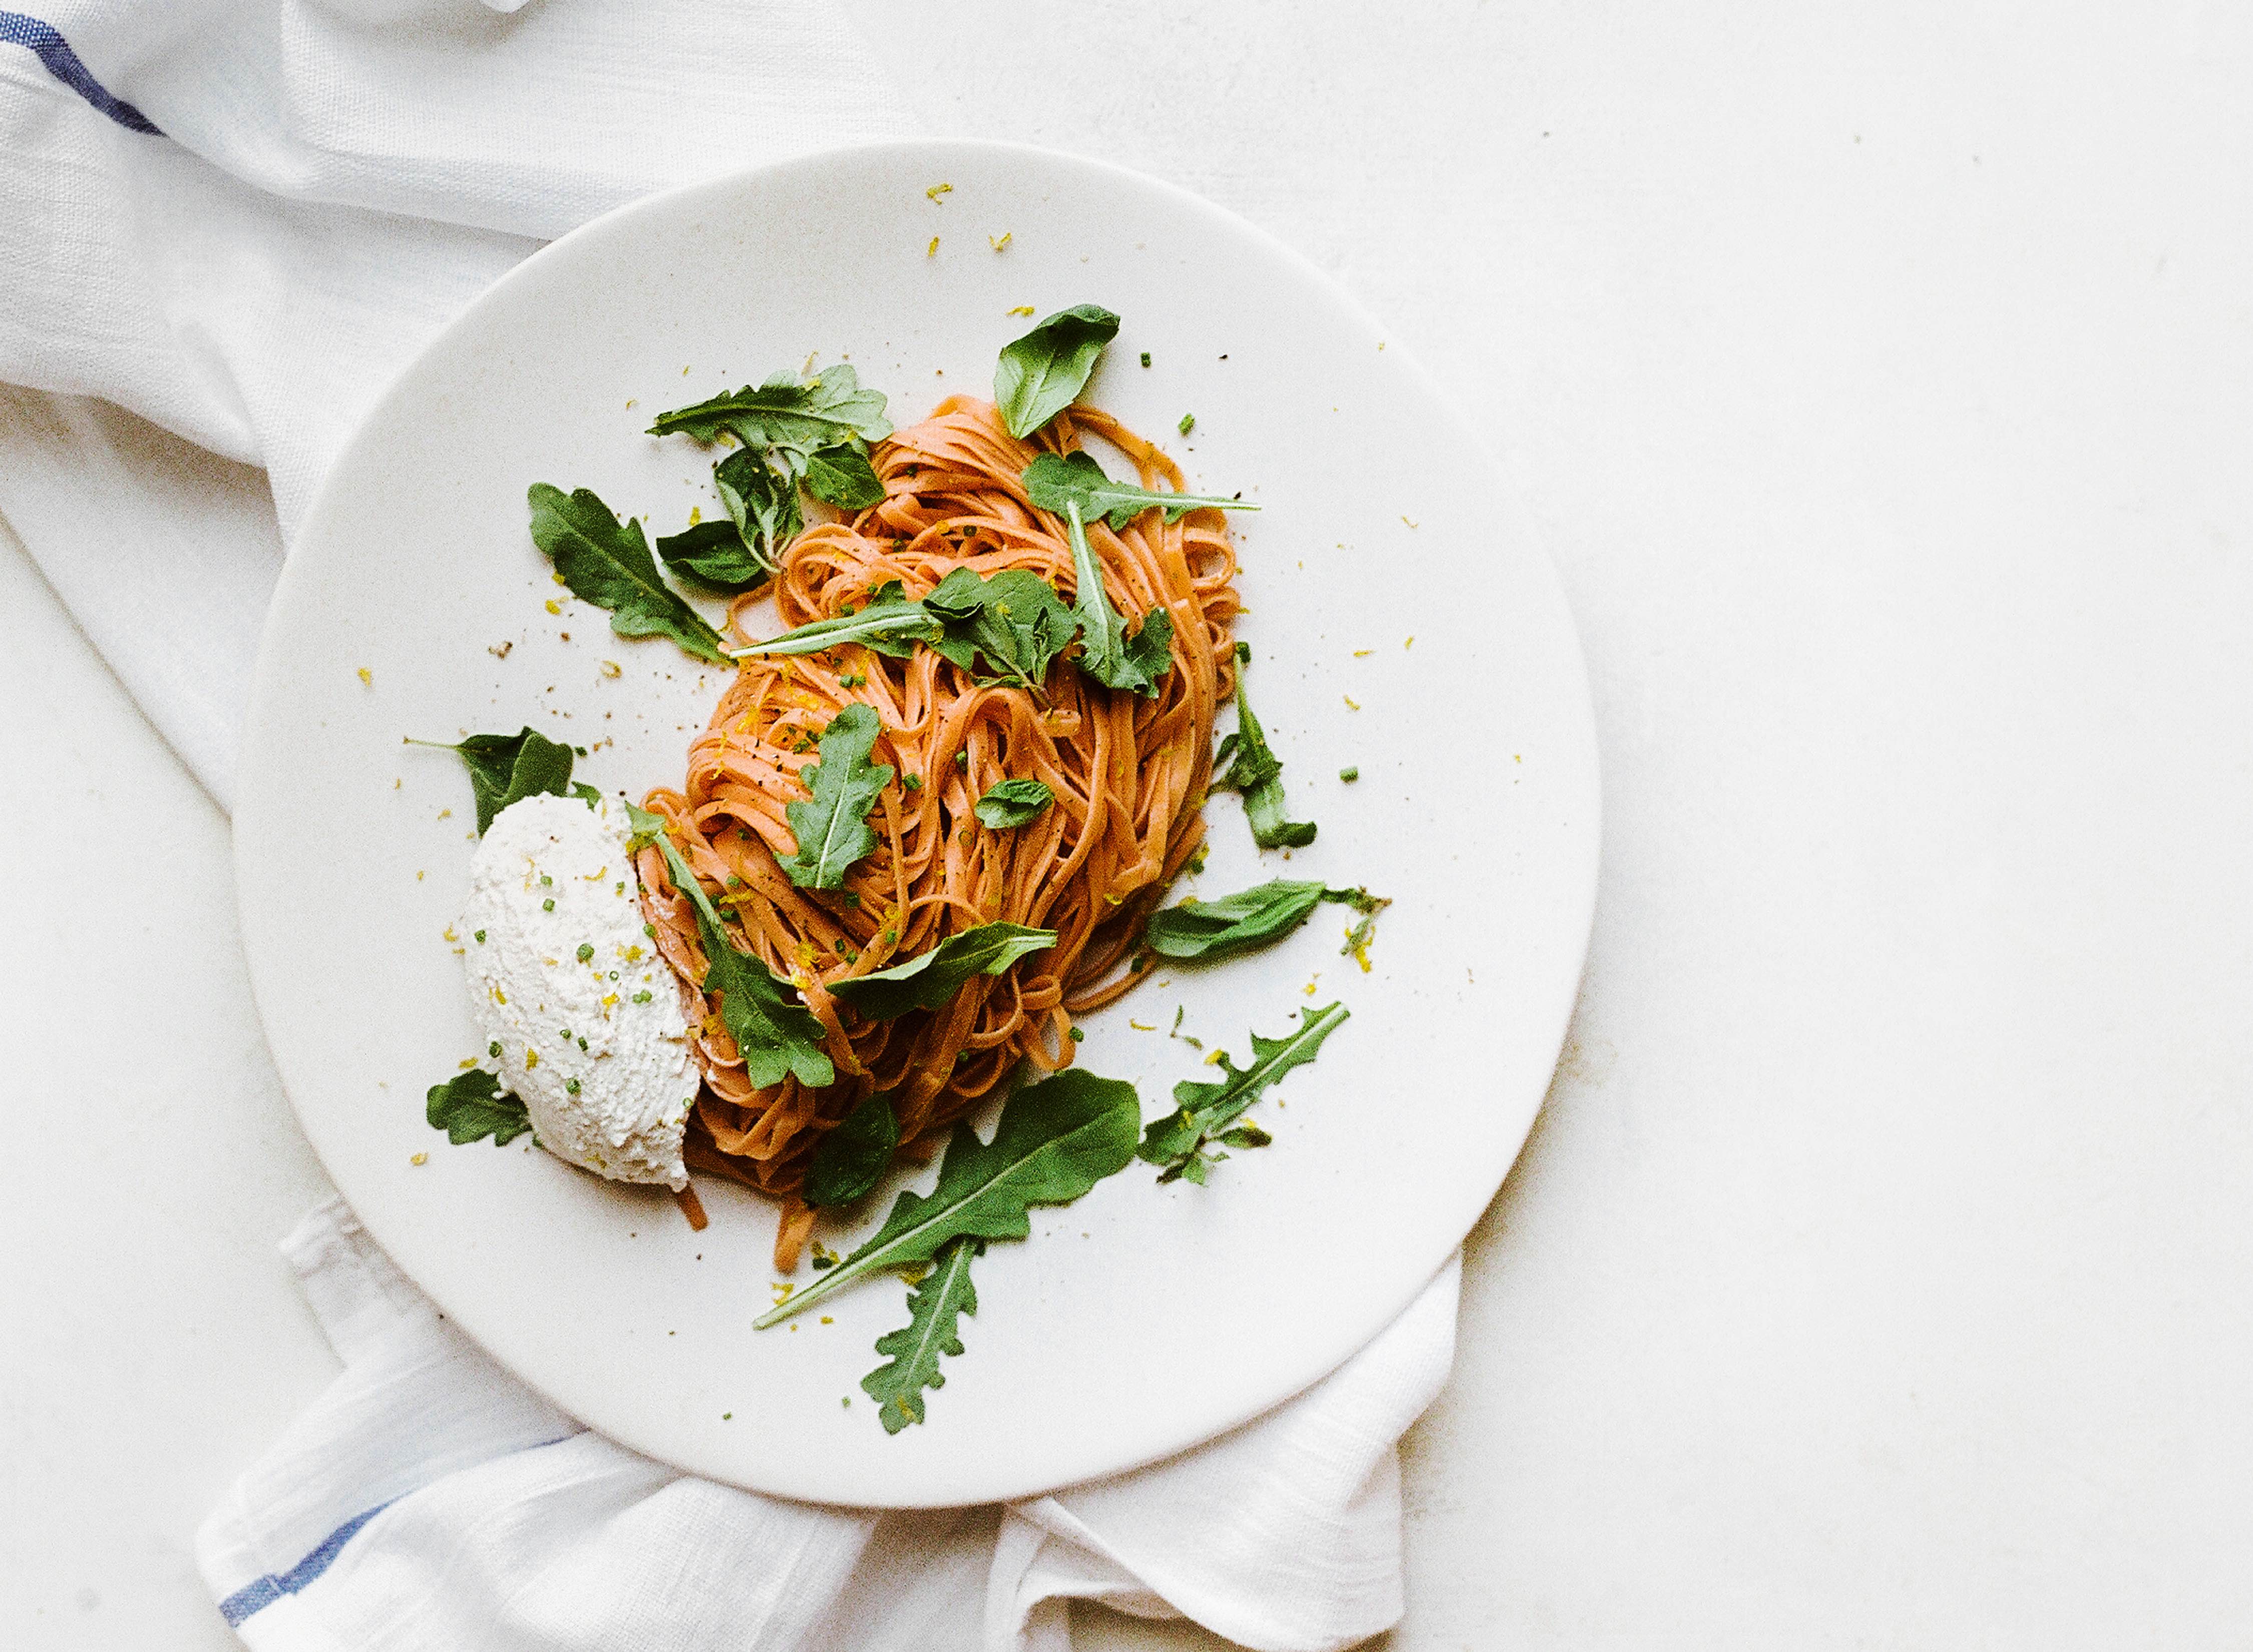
<point x="224" y="226"/>
<point x="427" y="1500"/>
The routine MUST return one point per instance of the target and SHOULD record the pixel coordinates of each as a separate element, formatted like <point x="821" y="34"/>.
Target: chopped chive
<point x="570" y="1086"/>
<point x="481" y="938"/>
<point x="1349" y="774"/>
<point x="1079" y="1035"/>
<point x="493" y="1049"/>
<point x="586" y="950"/>
<point x="548" y="905"/>
<point x="641" y="998"/>
<point x="1188" y="423"/>
<point x="1146" y="358"/>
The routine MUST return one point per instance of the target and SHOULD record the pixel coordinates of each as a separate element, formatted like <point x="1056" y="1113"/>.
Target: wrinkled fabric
<point x="225" y="226"/>
<point x="429" y="1501"/>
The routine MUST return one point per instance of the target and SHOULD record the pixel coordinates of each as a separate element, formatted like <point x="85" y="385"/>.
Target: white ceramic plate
<point x="1141" y="1320"/>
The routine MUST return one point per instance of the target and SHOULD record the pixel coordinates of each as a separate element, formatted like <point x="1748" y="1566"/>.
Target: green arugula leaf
<point x="1055" y="1141"/>
<point x="850" y="1159"/>
<point x="935" y="1309"/>
<point x="928" y="980"/>
<point x="761" y="501"/>
<point x="831" y="828"/>
<point x="471" y="1105"/>
<point x="1256" y="772"/>
<point x="1211" y="930"/>
<point x="1202" y="1112"/>
<point x="1015" y="621"/>
<point x="786" y="413"/>
<point x="607" y="563"/>
<point x="648" y="827"/>
<point x="714" y="556"/>
<point x="843" y="475"/>
<point x="774" y="1035"/>
<point x="1056" y="482"/>
<point x="505" y="769"/>
<point x="1105" y="654"/>
<point x="1039" y="374"/>
<point x="1014" y="803"/>
<point x="890" y="624"/>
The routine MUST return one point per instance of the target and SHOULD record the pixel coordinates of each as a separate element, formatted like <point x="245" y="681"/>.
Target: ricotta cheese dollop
<point x="580" y="1017"/>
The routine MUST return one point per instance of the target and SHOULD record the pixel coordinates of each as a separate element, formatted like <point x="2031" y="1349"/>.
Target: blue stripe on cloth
<point x="16" y="28"/>
<point x="255" y="1597"/>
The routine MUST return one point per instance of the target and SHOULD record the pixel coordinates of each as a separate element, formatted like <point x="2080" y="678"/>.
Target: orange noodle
<point x="1129" y="772"/>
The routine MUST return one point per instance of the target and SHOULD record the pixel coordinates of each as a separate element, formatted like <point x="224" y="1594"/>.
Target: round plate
<point x="1143" y="1319"/>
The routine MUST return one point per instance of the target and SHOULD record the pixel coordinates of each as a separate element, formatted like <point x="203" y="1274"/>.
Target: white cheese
<point x="580" y="1017"/>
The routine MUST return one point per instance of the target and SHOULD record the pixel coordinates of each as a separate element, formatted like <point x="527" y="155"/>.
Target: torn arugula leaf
<point x="844" y="477"/>
<point x="935" y="1308"/>
<point x="607" y="563"/>
<point x="1014" y="803"/>
<point x="1206" y="930"/>
<point x="1359" y="938"/>
<point x="774" y="1035"/>
<point x="1209" y="930"/>
<point x="927" y="981"/>
<point x="1056" y="481"/>
<point x="814" y="431"/>
<point x="832" y="826"/>
<point x="506" y="768"/>
<point x="471" y="1105"/>
<point x="1106" y="652"/>
<point x="890" y="624"/>
<point x="1256" y="772"/>
<point x="761" y="502"/>
<point x="1014" y="620"/>
<point x="786" y="412"/>
<point x="1176" y="1143"/>
<point x="850" y="1158"/>
<point x="1039" y="374"/>
<point x="1055" y="1141"/>
<point x="713" y="555"/>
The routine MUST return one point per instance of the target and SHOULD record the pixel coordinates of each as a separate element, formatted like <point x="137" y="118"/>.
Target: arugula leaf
<point x="1201" y="1112"/>
<point x="1039" y="374"/>
<point x="927" y="981"/>
<point x="786" y="412"/>
<point x="607" y="563"/>
<point x="1014" y="803"/>
<point x="934" y="1308"/>
<point x="850" y="1159"/>
<point x="1105" y="653"/>
<point x="1056" y="1139"/>
<point x="1209" y="930"/>
<point x="471" y="1105"/>
<point x="1055" y="482"/>
<point x="890" y="624"/>
<point x="1256" y="772"/>
<point x="760" y="501"/>
<point x="831" y="829"/>
<point x="774" y="1035"/>
<point x="505" y="769"/>
<point x="712" y="555"/>
<point x="1014" y="620"/>
<point x="648" y="827"/>
<point x="843" y="475"/>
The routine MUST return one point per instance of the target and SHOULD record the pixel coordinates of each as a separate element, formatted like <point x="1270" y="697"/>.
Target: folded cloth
<point x="427" y="1500"/>
<point x="225" y="225"/>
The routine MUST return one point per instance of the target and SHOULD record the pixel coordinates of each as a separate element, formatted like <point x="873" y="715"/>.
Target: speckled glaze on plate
<point x="1144" y="1319"/>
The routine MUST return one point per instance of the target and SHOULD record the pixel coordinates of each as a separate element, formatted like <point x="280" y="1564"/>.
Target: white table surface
<point x="1877" y="1275"/>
